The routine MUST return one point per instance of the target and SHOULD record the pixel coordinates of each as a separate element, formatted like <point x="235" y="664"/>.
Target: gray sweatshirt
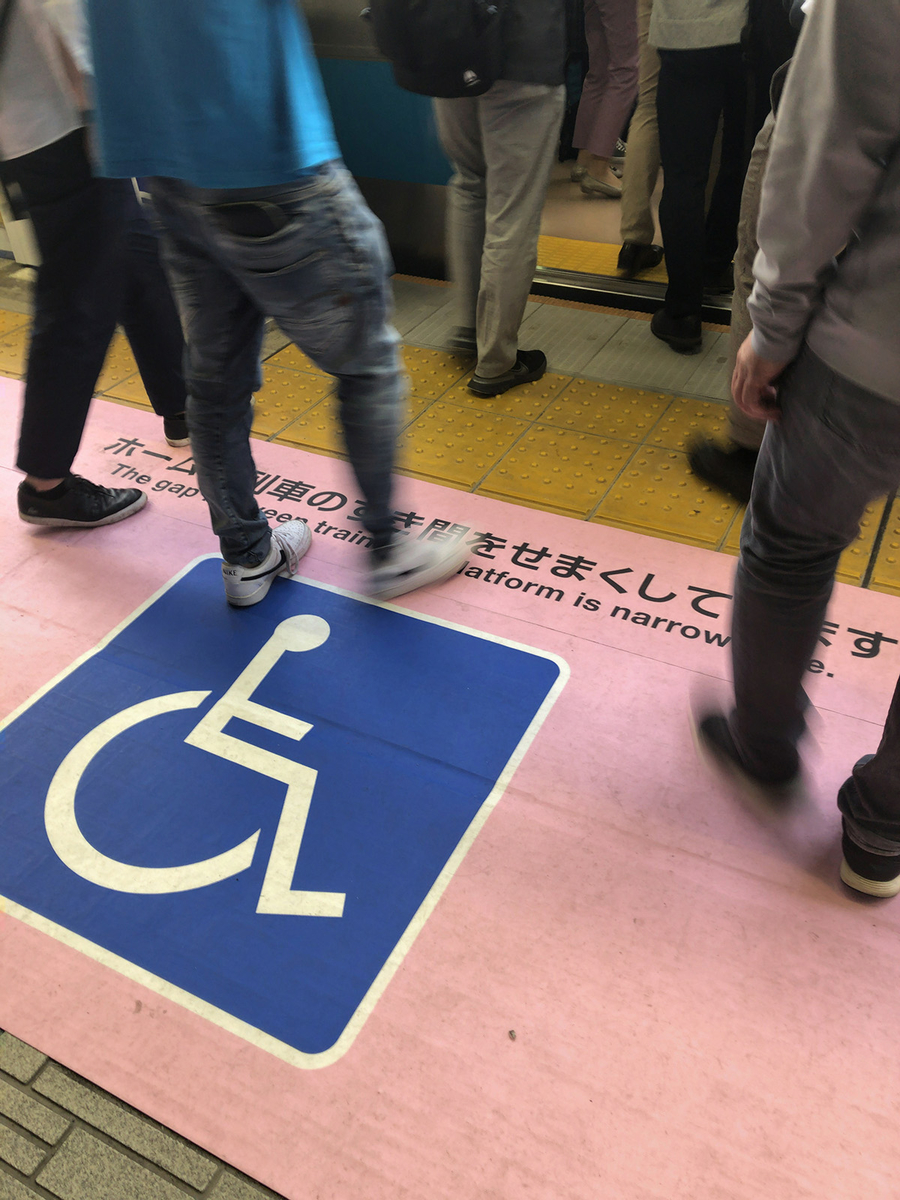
<point x="828" y="268"/>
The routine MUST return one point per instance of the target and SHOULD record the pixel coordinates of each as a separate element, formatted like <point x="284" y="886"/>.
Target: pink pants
<point x="611" y="84"/>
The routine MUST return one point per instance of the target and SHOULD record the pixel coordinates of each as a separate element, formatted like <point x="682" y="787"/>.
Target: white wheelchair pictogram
<point x="292" y="636"/>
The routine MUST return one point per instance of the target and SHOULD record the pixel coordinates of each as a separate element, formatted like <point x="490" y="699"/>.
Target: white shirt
<point x="38" y="104"/>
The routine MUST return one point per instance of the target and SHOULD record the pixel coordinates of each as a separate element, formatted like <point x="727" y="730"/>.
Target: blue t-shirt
<point x="220" y="93"/>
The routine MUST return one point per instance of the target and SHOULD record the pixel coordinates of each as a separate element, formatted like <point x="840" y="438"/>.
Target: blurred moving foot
<point x="404" y="566"/>
<point x="728" y="469"/>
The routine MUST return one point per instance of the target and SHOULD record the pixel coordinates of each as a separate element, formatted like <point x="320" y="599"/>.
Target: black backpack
<point x="446" y="48"/>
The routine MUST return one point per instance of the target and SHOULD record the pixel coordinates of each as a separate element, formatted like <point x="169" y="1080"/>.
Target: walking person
<point x="220" y="105"/>
<point x="502" y="145"/>
<point x="641" y="172"/>
<point x="822" y="365"/>
<point x="99" y="264"/>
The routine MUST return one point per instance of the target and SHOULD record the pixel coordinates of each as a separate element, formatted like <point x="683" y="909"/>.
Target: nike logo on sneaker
<point x="282" y="561"/>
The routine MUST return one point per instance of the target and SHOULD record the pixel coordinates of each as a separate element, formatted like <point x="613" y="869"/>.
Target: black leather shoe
<point x="731" y="471"/>
<point x="635" y="257"/>
<point x="684" y="334"/>
<point x="529" y="365"/>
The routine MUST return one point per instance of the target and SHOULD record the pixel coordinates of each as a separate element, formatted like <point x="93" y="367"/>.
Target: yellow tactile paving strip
<point x="590" y="450"/>
<point x="588" y="258"/>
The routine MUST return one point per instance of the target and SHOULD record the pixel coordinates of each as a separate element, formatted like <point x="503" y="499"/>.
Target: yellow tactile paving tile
<point x="886" y="572"/>
<point x="295" y="360"/>
<point x="13" y="350"/>
<point x="119" y="364"/>
<point x="686" y="419"/>
<point x="527" y="402"/>
<point x="558" y="470"/>
<point x="589" y="258"/>
<point x="457" y="445"/>
<point x="285" y="396"/>
<point x="854" y="561"/>
<point x="131" y="389"/>
<point x="433" y="372"/>
<point x="607" y="409"/>
<point x="656" y="493"/>
<point x="10" y="321"/>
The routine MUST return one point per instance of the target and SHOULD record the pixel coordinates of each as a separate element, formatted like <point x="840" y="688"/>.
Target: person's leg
<point x="223" y="331"/>
<point x="613" y="102"/>
<point x="78" y="227"/>
<point x="688" y="107"/>
<point x="459" y="129"/>
<point x="595" y="82"/>
<point x="520" y="130"/>
<point x="642" y="157"/>
<point x="835" y="449"/>
<point x="870" y="798"/>
<point x="324" y="276"/>
<point x="79" y="231"/>
<point x="725" y="202"/>
<point x="150" y="319"/>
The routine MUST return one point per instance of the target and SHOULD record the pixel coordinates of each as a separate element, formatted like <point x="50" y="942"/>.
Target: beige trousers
<point x="642" y="160"/>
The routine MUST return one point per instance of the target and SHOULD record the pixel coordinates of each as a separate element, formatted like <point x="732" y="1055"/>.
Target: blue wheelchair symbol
<point x="254" y="812"/>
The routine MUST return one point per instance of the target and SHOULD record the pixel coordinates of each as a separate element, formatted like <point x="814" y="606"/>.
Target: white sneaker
<point x="411" y="565"/>
<point x="248" y="585"/>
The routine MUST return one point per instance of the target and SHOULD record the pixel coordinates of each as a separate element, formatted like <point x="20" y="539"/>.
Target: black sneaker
<point x="864" y="870"/>
<point x="529" y="365"/>
<point x="867" y="872"/>
<point x="684" y="334"/>
<point x="712" y="734"/>
<point x="462" y="341"/>
<point x="79" y="503"/>
<point x="635" y="257"/>
<point x="731" y="471"/>
<point x="176" y="430"/>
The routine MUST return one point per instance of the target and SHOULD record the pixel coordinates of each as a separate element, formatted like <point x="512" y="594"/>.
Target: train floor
<point x="328" y="898"/>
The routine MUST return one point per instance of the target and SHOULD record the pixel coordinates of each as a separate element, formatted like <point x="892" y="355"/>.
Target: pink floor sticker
<point x="611" y="979"/>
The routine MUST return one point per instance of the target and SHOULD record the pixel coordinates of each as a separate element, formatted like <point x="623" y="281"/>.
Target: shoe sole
<point x="486" y="389"/>
<point x="112" y="519"/>
<point x="883" y="889"/>
<point x="605" y="191"/>
<point x="178" y="442"/>
<point x="422" y="578"/>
